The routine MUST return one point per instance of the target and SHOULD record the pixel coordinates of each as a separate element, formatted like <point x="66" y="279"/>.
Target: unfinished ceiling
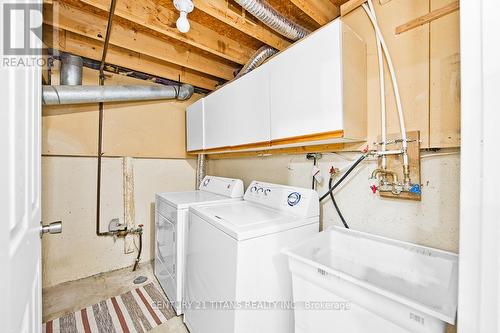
<point x="144" y="37"/>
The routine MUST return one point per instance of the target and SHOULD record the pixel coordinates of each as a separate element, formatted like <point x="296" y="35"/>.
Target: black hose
<point x="139" y="253"/>
<point x="314" y="179"/>
<point x="336" y="206"/>
<point x="332" y="188"/>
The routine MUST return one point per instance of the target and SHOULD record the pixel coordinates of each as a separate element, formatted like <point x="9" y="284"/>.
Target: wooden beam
<point x="332" y="147"/>
<point x="220" y="10"/>
<point x="92" y="25"/>
<point x="155" y="16"/>
<point x="349" y="6"/>
<point x="429" y="17"/>
<point x="67" y="41"/>
<point x="321" y="11"/>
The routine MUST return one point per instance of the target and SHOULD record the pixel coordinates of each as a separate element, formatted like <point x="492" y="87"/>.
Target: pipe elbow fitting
<point x="375" y="173"/>
<point x="185" y="92"/>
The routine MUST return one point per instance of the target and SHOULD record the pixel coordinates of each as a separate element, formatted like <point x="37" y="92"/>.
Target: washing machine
<point x="171" y="223"/>
<point x="237" y="276"/>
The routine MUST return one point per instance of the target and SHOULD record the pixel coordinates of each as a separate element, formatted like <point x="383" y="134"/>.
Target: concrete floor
<point x="74" y="295"/>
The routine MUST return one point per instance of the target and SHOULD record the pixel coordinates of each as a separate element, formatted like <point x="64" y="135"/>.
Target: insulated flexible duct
<point x="257" y="59"/>
<point x="273" y="19"/>
<point x="201" y="170"/>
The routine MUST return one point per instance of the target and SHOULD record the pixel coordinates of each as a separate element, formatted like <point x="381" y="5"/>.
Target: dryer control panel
<point x="295" y="200"/>
<point x="228" y="187"/>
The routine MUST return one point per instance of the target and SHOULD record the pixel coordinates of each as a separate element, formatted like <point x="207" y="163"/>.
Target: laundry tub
<point x="349" y="281"/>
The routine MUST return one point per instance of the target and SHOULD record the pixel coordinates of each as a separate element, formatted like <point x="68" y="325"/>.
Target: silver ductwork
<point x="71" y="70"/>
<point x="273" y="19"/>
<point x="257" y="59"/>
<point x="96" y="94"/>
<point x="71" y="90"/>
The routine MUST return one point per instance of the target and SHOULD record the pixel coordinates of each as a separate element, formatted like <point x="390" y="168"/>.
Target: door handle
<point x="52" y="228"/>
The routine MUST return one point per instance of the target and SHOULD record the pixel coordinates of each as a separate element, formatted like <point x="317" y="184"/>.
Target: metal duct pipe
<point x="201" y="169"/>
<point x="257" y="59"/>
<point x="273" y="19"/>
<point x="71" y="70"/>
<point x="96" y="94"/>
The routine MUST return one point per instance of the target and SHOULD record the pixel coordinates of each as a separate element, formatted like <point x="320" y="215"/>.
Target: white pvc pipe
<point x="383" y="110"/>
<point x="395" y="86"/>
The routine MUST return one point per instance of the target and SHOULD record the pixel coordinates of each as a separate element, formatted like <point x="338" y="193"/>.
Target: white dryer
<point x="171" y="223"/>
<point x="237" y="278"/>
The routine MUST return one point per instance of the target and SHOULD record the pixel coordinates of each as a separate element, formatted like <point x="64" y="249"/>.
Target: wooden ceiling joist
<point x="67" y="41"/>
<point x="321" y="11"/>
<point x="93" y="26"/>
<point x="154" y="16"/>
<point x="350" y="5"/>
<point x="220" y="10"/>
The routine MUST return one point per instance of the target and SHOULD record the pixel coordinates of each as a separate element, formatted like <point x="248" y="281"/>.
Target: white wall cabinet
<point x="238" y="113"/>
<point x="318" y="86"/>
<point x="195" y="125"/>
<point x="313" y="91"/>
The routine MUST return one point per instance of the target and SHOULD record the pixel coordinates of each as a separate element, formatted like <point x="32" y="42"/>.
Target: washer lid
<point x="243" y="219"/>
<point x="182" y="200"/>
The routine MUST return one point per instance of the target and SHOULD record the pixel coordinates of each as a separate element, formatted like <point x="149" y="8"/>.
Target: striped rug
<point x="138" y="310"/>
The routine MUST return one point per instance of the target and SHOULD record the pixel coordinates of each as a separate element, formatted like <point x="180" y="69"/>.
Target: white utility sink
<point x="357" y="282"/>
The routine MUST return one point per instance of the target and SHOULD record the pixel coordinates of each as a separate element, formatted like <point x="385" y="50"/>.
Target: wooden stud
<point x="433" y="15"/>
<point x="444" y="97"/>
<point x="349" y="6"/>
<point x="152" y="15"/>
<point x="73" y="43"/>
<point x="219" y="10"/>
<point x="321" y="11"/>
<point x="91" y="25"/>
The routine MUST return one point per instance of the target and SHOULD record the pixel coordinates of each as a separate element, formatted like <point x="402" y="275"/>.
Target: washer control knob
<point x="293" y="198"/>
<point x="260" y="190"/>
<point x="267" y="191"/>
<point x="253" y="189"/>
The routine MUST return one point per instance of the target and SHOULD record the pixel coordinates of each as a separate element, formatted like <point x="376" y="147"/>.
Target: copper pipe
<point x="385" y="172"/>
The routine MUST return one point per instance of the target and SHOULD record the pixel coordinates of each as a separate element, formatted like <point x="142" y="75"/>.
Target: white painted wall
<point x="431" y="222"/>
<point x="69" y="194"/>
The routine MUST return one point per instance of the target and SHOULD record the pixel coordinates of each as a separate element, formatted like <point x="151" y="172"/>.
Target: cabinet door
<point x="306" y="85"/>
<point x="251" y="117"/>
<point x="195" y="126"/>
<point x="238" y="113"/>
<point x="217" y="120"/>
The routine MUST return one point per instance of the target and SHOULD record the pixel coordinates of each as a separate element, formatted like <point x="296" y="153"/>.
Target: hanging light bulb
<point x="184" y="7"/>
<point x="182" y="23"/>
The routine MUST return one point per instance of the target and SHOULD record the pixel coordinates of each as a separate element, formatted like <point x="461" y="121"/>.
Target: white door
<point x="20" y="115"/>
<point x="479" y="274"/>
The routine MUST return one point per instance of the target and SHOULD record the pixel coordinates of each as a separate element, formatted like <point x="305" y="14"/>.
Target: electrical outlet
<point x="129" y="244"/>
